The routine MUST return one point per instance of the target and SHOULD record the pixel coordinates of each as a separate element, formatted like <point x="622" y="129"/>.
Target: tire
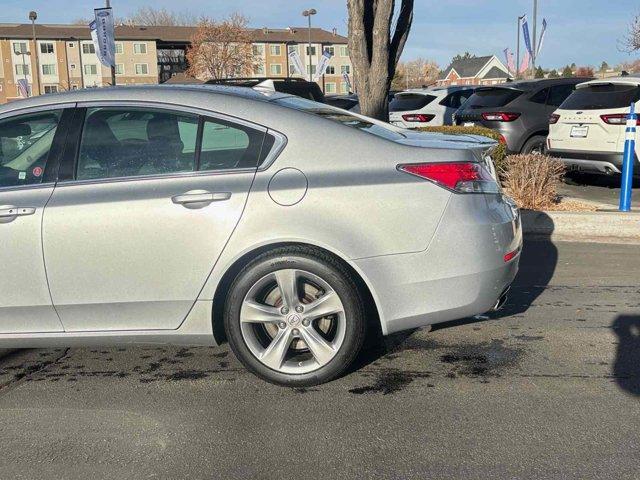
<point x="258" y="324"/>
<point x="536" y="144"/>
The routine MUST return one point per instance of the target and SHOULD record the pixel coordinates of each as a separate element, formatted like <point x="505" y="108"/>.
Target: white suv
<point x="587" y="130"/>
<point x="424" y="107"/>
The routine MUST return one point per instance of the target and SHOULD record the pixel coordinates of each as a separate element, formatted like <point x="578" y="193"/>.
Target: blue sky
<point x="581" y="31"/>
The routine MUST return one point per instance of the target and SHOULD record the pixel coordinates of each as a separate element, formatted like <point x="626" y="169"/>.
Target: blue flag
<point x="527" y="38"/>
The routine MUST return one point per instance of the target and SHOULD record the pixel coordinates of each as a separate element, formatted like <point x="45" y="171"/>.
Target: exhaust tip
<point x="501" y="301"/>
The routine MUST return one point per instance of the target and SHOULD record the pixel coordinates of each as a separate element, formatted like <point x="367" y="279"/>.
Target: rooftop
<point x="177" y="34"/>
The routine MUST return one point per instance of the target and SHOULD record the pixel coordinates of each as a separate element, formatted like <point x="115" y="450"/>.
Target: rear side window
<point x="401" y="103"/>
<point x="228" y="145"/>
<point x="559" y="94"/>
<point x="25" y="142"/>
<point x="124" y="142"/>
<point x="492" y="97"/>
<point x="599" y="96"/>
<point x="540" y="97"/>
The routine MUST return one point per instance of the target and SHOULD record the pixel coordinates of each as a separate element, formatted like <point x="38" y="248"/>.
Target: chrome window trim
<point x="163" y="176"/>
<point x="277" y="148"/>
<point x="33" y="186"/>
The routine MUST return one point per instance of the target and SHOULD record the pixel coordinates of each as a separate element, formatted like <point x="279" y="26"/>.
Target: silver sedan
<point x="195" y="215"/>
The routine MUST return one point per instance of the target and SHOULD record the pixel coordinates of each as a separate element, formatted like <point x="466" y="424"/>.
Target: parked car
<point x="349" y="101"/>
<point x="587" y="132"/>
<point x="196" y="214"/>
<point x="428" y="106"/>
<point x="517" y="110"/>
<point x="291" y="85"/>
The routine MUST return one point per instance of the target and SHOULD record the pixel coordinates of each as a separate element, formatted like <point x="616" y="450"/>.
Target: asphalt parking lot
<point x="598" y="188"/>
<point x="547" y="388"/>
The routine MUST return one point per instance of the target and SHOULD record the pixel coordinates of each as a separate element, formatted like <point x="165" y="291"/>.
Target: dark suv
<point x="518" y="110"/>
<point x="291" y="85"/>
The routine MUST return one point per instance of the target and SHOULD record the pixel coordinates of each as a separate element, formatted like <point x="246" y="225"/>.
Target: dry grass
<point x="533" y="180"/>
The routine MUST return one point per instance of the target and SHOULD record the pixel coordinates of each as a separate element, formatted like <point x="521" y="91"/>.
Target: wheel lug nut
<point x="299" y="309"/>
<point x="284" y="310"/>
<point x="282" y="325"/>
<point x="295" y="331"/>
<point x="305" y="322"/>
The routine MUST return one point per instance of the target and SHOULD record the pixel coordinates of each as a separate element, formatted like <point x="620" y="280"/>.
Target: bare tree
<point x="375" y="47"/>
<point x="161" y="17"/>
<point x="631" y="41"/>
<point x="221" y="49"/>
<point x="415" y="74"/>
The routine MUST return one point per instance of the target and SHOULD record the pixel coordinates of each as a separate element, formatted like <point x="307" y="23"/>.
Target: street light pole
<point x="308" y="14"/>
<point x="33" y="16"/>
<point x="535" y="24"/>
<point x="113" y="67"/>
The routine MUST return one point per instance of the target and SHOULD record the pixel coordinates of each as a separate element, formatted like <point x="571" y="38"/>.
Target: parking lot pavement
<point x="598" y="188"/>
<point x="548" y="388"/>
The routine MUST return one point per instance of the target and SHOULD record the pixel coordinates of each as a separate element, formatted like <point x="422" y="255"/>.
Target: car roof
<point x="626" y="80"/>
<point x="139" y="91"/>
<point x="533" y="84"/>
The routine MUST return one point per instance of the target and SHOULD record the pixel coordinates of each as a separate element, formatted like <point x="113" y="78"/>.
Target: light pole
<point x="535" y="24"/>
<point x="308" y="14"/>
<point x="107" y="4"/>
<point x="518" y="47"/>
<point x="33" y="16"/>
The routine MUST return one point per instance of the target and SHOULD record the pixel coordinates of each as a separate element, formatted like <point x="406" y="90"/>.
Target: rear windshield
<point x="596" y="97"/>
<point x="491" y="98"/>
<point x="404" y="102"/>
<point x="339" y="116"/>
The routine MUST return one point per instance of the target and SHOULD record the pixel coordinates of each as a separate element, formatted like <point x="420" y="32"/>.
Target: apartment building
<point x="63" y="57"/>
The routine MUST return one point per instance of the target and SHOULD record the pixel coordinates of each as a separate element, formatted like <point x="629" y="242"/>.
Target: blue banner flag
<point x="103" y="36"/>
<point x="527" y="38"/>
<point x="544" y="30"/>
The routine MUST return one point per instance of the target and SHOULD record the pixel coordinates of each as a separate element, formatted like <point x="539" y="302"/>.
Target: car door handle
<point x="10" y="212"/>
<point x="200" y="198"/>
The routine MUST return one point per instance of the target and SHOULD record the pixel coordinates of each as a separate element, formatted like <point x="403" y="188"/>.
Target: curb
<point x="598" y="227"/>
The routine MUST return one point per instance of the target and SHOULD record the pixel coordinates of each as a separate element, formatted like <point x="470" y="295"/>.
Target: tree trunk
<point x="375" y="50"/>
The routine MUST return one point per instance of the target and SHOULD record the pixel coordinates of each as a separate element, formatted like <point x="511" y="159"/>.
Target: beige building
<point x="63" y="56"/>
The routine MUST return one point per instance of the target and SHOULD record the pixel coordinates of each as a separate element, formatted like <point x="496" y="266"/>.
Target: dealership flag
<point x="103" y="36"/>
<point x="525" y="62"/>
<point x="322" y="64"/>
<point x="345" y="77"/>
<point x="508" y="56"/>
<point x="544" y="30"/>
<point x="23" y="87"/>
<point x="296" y="61"/>
<point x="527" y="38"/>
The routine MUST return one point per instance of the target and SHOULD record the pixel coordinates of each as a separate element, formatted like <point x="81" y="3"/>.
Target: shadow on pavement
<point x="626" y="368"/>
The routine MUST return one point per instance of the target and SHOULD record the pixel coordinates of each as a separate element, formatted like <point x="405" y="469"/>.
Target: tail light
<point x="460" y="177"/>
<point x="502" y="140"/>
<point x="553" y="119"/>
<point x="418" y="117"/>
<point x="500" y="116"/>
<point x="616" y="119"/>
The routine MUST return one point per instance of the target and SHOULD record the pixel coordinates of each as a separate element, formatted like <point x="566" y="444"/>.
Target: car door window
<point x="228" y="145"/>
<point x="125" y="142"/>
<point x="540" y="97"/>
<point x="25" y="142"/>
<point x="559" y="94"/>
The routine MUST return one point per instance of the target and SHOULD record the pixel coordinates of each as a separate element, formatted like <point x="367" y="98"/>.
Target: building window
<point x="345" y="69"/>
<point x="330" y="87"/>
<point x="49" y="69"/>
<point x="292" y="70"/>
<point x="344" y="87"/>
<point x="88" y="48"/>
<point x="313" y="50"/>
<point x="311" y="71"/>
<point x="331" y="70"/>
<point x="292" y="48"/>
<point x="330" y="50"/>
<point x="72" y="66"/>
<point x="22" y="69"/>
<point x="258" y="50"/>
<point x="276" y="69"/>
<point x="50" y="89"/>
<point x="71" y="45"/>
<point x="140" y="48"/>
<point x="20" y="48"/>
<point x="46" y="47"/>
<point x="119" y="48"/>
<point x="119" y="68"/>
<point x="275" y="50"/>
<point x="90" y="69"/>
<point x="142" y="69"/>
<point x="344" y="51"/>
<point x="258" y="69"/>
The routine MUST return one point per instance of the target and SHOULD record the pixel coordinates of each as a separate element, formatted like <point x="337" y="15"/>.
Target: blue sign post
<point x="627" y="160"/>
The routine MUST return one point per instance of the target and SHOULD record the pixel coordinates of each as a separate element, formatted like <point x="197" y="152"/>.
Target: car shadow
<point x="626" y="368"/>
